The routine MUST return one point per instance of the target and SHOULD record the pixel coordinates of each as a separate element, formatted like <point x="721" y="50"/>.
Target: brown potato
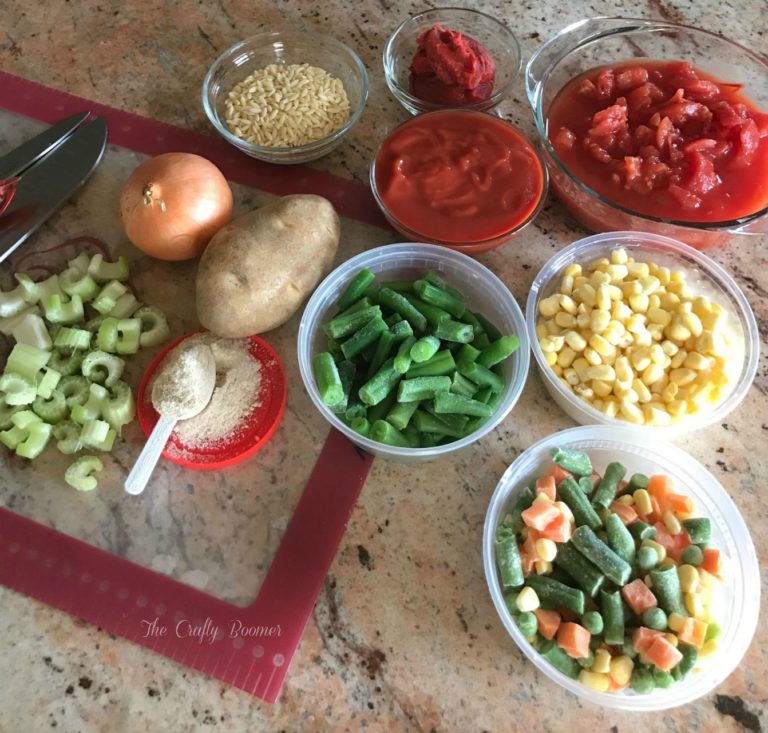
<point x="257" y="271"/>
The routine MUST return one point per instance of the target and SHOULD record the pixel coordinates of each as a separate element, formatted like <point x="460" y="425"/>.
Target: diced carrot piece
<point x="638" y="596"/>
<point x="663" y="654"/>
<point x="642" y="638"/>
<point x="655" y="515"/>
<point x="526" y="561"/>
<point x="613" y="687"/>
<point x="693" y="632"/>
<point x="540" y="514"/>
<point x="546" y="485"/>
<point x="711" y="562"/>
<point x="660" y="486"/>
<point x="680" y="503"/>
<point x="558" y="473"/>
<point x="573" y="639"/>
<point x="558" y="530"/>
<point x="626" y="513"/>
<point x="549" y="622"/>
<point x="674" y="544"/>
<point x="528" y="554"/>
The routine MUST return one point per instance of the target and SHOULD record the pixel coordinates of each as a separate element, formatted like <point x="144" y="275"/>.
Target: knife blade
<point x="27" y="154"/>
<point x="47" y="185"/>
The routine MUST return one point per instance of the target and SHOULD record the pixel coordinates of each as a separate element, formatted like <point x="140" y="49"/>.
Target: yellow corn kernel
<point x="676" y="622"/>
<point x="567" y="303"/>
<point x="693" y="605"/>
<point x="581" y="365"/>
<point x="656" y="415"/>
<point x="706" y="579"/>
<point x="652" y="374"/>
<point x="586" y="294"/>
<point x="572" y="270"/>
<point x="527" y="600"/>
<point x="566" y="284"/>
<point x="678" y="359"/>
<point x="669" y="302"/>
<point x="599" y="263"/>
<point x="553" y="329"/>
<point x="566" y="356"/>
<point x="571" y="376"/>
<point x="565" y="320"/>
<point x="623" y="369"/>
<point x="627" y="499"/>
<point x="650" y="284"/>
<point x="610" y="407"/>
<point x="541" y="330"/>
<point x="584" y="391"/>
<point x="699" y="393"/>
<point x="654" y="301"/>
<point x="583" y="320"/>
<point x="594" y="681"/>
<point x="630" y="288"/>
<point x="648" y="580"/>
<point x="619" y="256"/>
<point x="599" y="320"/>
<point x="614" y="292"/>
<point x="696" y="361"/>
<point x="621" y="670"/>
<point x="643" y="501"/>
<point x="614" y="333"/>
<point x="624" y="391"/>
<point x="550" y="357"/>
<point x="640" y="358"/>
<point x="639" y="302"/>
<point x="711" y="321"/>
<point x="592" y="357"/>
<point x="620" y="311"/>
<point x="575" y="340"/>
<point x="639" y="269"/>
<point x="701" y="305"/>
<point x="602" y="298"/>
<point x="635" y="323"/>
<point x="542" y="567"/>
<point x="558" y="370"/>
<point x="678" y="287"/>
<point x="602" y="663"/>
<point x="601" y="345"/>
<point x="657" y="354"/>
<point x="670" y="348"/>
<point x="660" y="384"/>
<point x="631" y="413"/>
<point x="548" y="307"/>
<point x="708" y="648"/>
<point x="672" y="639"/>
<point x="693" y="323"/>
<point x="689" y="576"/>
<point x="677" y="330"/>
<point x="677" y="408"/>
<point x="642" y="392"/>
<point x="579" y="280"/>
<point x="686" y="306"/>
<point x="601" y="388"/>
<point x="547" y="344"/>
<point x="660" y="550"/>
<point x="671" y="522"/>
<point x="598" y="278"/>
<point x="664" y="275"/>
<point x="643" y="338"/>
<point x="682" y="377"/>
<point x="659" y="315"/>
<point x="546" y="549"/>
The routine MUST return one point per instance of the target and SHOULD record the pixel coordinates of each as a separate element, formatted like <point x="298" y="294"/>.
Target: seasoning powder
<point x="236" y="394"/>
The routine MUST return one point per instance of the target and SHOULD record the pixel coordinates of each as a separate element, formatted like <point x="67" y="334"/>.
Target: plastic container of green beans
<point x="737" y="599"/>
<point x="483" y="292"/>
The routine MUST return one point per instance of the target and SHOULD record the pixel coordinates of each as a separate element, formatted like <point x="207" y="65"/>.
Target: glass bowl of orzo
<point x="286" y="97"/>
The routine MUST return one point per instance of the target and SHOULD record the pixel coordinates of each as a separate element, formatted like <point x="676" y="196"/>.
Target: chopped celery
<point x="38" y="435"/>
<point x="78" y="475"/>
<point x="125" y="306"/>
<point x="76" y="282"/>
<point x="12" y="302"/>
<point x="80" y="263"/>
<point x="52" y="410"/>
<point x="31" y="330"/>
<point x="8" y="324"/>
<point x="58" y="310"/>
<point x="37" y="292"/>
<point x="106" y="339"/>
<point x="67" y="434"/>
<point x="66" y="364"/>
<point x="13" y="437"/>
<point x="120" y="408"/>
<point x="27" y="361"/>
<point x="128" y="334"/>
<point x="76" y="390"/>
<point x="6" y="413"/>
<point x="17" y="389"/>
<point x="154" y="326"/>
<point x="91" y="410"/>
<point x="103" y="271"/>
<point x="25" y="418"/>
<point x="98" y="434"/>
<point x="48" y="382"/>
<point x="102" y="368"/>
<point x="72" y="339"/>
<point x="106" y="299"/>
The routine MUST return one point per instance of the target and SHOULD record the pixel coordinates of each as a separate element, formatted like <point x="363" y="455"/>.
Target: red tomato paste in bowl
<point x="458" y="177"/>
<point x="664" y="139"/>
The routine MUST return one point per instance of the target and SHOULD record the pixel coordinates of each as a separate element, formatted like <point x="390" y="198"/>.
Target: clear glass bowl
<point x="471" y="248"/>
<point x="703" y="274"/>
<point x="500" y="42"/>
<point x="483" y="292"/>
<point x="738" y="596"/>
<point x="290" y="47"/>
<point x="601" y="41"/>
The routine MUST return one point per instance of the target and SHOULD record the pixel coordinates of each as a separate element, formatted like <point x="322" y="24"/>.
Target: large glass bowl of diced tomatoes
<point x="622" y="568"/>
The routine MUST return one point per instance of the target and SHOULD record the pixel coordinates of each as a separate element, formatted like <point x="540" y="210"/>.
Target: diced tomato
<point x="685" y="199"/>
<point x="605" y="84"/>
<point x="663" y="654"/>
<point x="558" y="530"/>
<point x="643" y="637"/>
<point x="565" y="138"/>
<point x="638" y="596"/>
<point x="573" y="639"/>
<point x="630" y="77"/>
<point x="610" y="120"/>
<point x="546" y="485"/>
<point x="746" y="144"/>
<point x="726" y="114"/>
<point x="701" y="178"/>
<point x="626" y="513"/>
<point x="558" y="473"/>
<point x="632" y="170"/>
<point x="549" y="622"/>
<point x="539" y="514"/>
<point x="712" y="561"/>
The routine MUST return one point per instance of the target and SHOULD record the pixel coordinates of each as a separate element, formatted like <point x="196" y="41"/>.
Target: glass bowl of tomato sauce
<point x="463" y="179"/>
<point x="652" y="126"/>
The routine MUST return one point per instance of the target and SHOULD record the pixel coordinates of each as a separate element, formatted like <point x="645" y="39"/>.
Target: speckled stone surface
<point x="404" y="636"/>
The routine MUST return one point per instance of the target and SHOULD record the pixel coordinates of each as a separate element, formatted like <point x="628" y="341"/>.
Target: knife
<point x="52" y="166"/>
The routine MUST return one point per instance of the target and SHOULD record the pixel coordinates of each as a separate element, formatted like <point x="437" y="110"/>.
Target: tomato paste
<point x="450" y="68"/>
<point x="665" y="139"/>
<point x="458" y="177"/>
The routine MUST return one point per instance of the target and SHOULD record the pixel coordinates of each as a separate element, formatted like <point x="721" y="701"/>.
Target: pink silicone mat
<point x="119" y="595"/>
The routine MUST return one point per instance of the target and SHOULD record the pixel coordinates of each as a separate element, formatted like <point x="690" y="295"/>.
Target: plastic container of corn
<point x="636" y="329"/>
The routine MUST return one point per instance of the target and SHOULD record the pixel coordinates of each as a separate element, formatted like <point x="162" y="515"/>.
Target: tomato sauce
<point x="665" y="139"/>
<point x="459" y="176"/>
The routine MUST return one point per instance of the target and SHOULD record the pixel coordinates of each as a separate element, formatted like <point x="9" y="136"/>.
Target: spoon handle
<point x="149" y="456"/>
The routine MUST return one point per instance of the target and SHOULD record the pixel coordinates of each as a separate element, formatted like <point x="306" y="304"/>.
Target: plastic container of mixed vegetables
<point x="622" y="568"/>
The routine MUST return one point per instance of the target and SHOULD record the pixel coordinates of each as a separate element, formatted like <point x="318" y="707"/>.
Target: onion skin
<point x="172" y="205"/>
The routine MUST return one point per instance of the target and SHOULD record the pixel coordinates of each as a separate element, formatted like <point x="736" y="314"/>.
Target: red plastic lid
<point x="252" y="434"/>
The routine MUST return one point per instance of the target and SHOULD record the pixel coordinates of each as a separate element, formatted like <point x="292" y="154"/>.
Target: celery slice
<point x="106" y="338"/>
<point x="102" y="368"/>
<point x="59" y="310"/>
<point x="78" y="475"/>
<point x="27" y="361"/>
<point x="38" y="435"/>
<point x="66" y="364"/>
<point x="38" y="292"/>
<point x="103" y="271"/>
<point x="76" y="282"/>
<point x="52" y="410"/>
<point x="48" y="382"/>
<point x="30" y="287"/>
<point x="76" y="390"/>
<point x="72" y="339"/>
<point x="120" y="408"/>
<point x="13" y="437"/>
<point x="31" y="330"/>
<point x="67" y="434"/>
<point x="125" y="306"/>
<point x="128" y="335"/>
<point x="105" y="301"/>
<point x="154" y="326"/>
<point x="6" y="413"/>
<point x="91" y="410"/>
<point x="80" y="263"/>
<point x="8" y="324"/>
<point x="94" y="432"/>
<point x="25" y="419"/>
<point x="17" y="389"/>
<point x="13" y="302"/>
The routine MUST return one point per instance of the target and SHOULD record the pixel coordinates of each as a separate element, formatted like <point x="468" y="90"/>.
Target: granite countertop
<point x="404" y="636"/>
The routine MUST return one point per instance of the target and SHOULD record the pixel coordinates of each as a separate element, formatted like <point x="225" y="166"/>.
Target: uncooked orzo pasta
<point x="286" y="105"/>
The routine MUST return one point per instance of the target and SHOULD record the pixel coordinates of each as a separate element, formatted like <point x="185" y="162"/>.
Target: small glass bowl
<point x="470" y="248"/>
<point x="483" y="291"/>
<point x="738" y="597"/>
<point x="290" y="47"/>
<point x="703" y="274"/>
<point x="588" y="44"/>
<point x="499" y="41"/>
